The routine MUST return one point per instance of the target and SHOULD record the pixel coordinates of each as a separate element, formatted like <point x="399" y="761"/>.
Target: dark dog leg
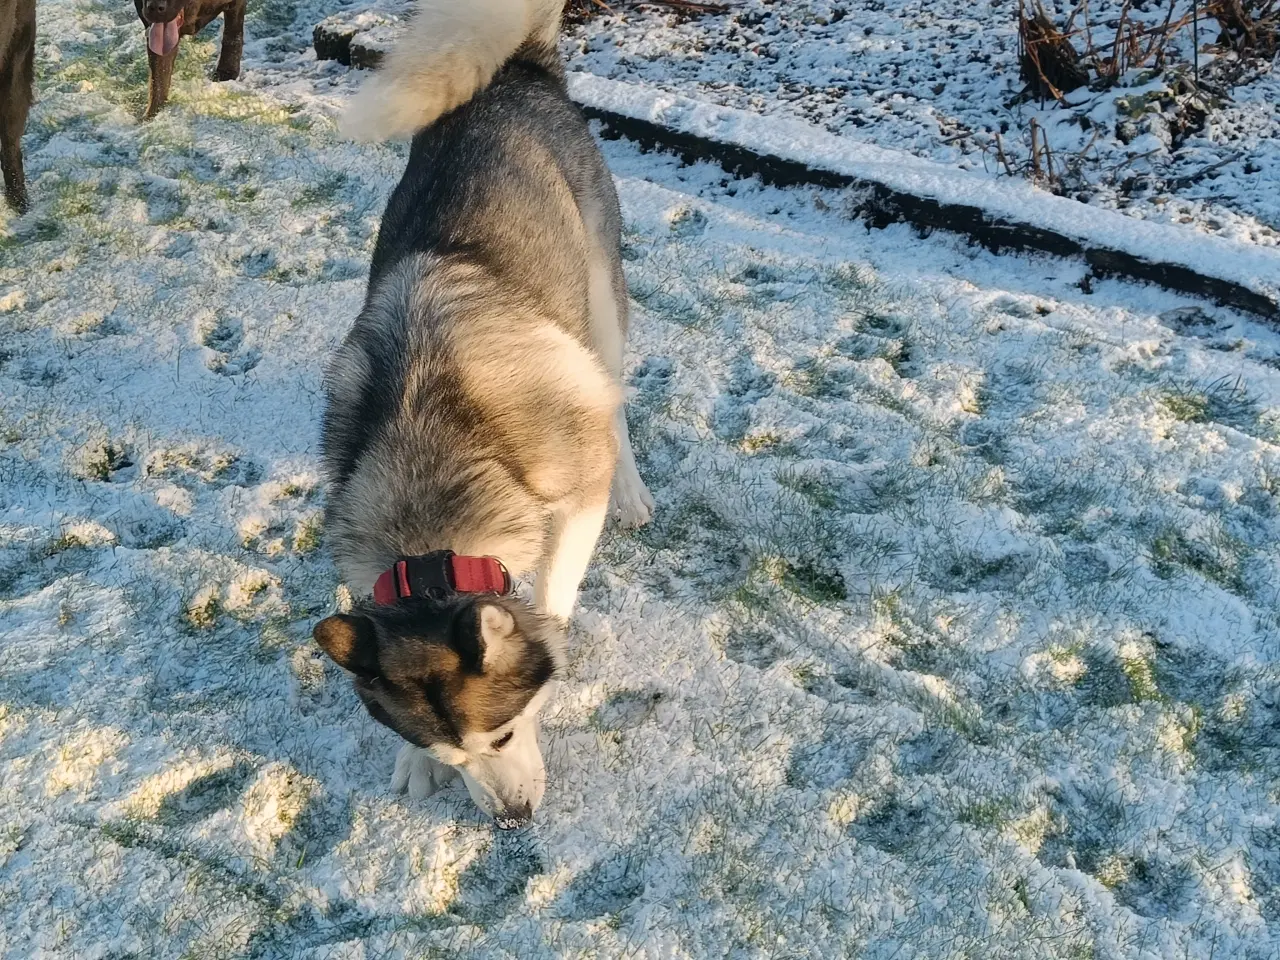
<point x="15" y="102"/>
<point x="15" y="182"/>
<point x="232" y="43"/>
<point x="161" y="78"/>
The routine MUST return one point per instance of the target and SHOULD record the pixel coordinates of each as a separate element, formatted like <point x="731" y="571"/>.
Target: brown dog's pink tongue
<point x="162" y="38"/>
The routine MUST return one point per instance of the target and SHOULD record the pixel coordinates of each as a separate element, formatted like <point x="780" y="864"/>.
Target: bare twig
<point x="1177" y="183"/>
<point x="1003" y="158"/>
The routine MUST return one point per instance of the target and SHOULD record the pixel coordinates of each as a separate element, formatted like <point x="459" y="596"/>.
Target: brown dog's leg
<point x="15" y="182"/>
<point x="161" y="78"/>
<point x="232" y="42"/>
<point x="15" y="102"/>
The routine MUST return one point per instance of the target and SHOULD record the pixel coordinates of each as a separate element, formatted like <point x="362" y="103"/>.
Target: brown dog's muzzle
<point x="163" y="27"/>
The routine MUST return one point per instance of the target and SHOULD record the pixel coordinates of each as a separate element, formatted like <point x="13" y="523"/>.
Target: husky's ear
<point x="350" y="641"/>
<point x="484" y="636"/>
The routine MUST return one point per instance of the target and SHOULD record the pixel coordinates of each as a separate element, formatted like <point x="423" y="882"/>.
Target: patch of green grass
<point x="963" y="571"/>
<point x="895" y="351"/>
<point x="1112" y="870"/>
<point x="307" y="534"/>
<point x="244" y="193"/>
<point x="75" y="199"/>
<point x="760" y="273"/>
<point x="1140" y="672"/>
<point x="238" y="105"/>
<point x="1226" y="400"/>
<point x="680" y="310"/>
<point x="100" y="461"/>
<point x="322" y="191"/>
<point x="47" y="229"/>
<point x="1220" y="561"/>
<point x="812" y="378"/>
<point x="964" y="720"/>
<point x="896" y="485"/>
<point x="273" y="638"/>
<point x="763" y="441"/>
<point x="117" y="75"/>
<point x="126" y="833"/>
<point x="814" y="489"/>
<point x="279" y="274"/>
<point x="819" y="582"/>
<point x="1187" y="406"/>
<point x="202" y="612"/>
<point x="691" y="520"/>
<point x="1062" y="502"/>
<point x="979" y="483"/>
<point x="61" y="544"/>
<point x="1022" y="891"/>
<point x="850" y="278"/>
<point x="754" y="594"/>
<point x="986" y="814"/>
<point x="1068" y="657"/>
<point x="883" y="325"/>
<point x="887" y="604"/>
<point x="816" y="581"/>
<point x="882" y="396"/>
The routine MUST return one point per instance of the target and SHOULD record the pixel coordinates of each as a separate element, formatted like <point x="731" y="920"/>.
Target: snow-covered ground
<point x="940" y="80"/>
<point x="955" y="634"/>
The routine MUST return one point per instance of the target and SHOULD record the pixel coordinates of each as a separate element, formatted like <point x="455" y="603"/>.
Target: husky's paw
<point x="632" y="503"/>
<point x="419" y="773"/>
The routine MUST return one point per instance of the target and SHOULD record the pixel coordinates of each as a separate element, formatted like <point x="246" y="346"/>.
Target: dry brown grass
<point x="1249" y="27"/>
<point x="1049" y="63"/>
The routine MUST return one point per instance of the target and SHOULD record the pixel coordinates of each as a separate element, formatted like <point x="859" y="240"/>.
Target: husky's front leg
<point x="632" y="502"/>
<point x="573" y="540"/>
<point x="419" y="773"/>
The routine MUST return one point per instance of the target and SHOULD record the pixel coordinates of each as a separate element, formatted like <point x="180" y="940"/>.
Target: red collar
<point x="441" y="572"/>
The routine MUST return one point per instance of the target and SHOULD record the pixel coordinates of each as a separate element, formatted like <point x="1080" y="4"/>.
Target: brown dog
<point x="168" y="20"/>
<point x="17" y="67"/>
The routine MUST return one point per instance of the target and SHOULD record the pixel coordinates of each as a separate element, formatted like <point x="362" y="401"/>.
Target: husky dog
<point x="474" y="416"/>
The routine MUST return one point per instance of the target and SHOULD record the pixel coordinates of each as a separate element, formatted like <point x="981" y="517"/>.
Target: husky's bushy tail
<point x="448" y="54"/>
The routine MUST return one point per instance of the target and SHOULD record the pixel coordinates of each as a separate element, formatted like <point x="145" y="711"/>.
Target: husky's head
<point x="464" y="678"/>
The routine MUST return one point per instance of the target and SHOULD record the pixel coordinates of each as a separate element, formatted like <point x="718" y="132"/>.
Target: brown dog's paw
<point x="222" y="76"/>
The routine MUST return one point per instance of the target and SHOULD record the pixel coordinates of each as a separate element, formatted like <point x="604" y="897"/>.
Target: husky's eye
<point x="503" y="740"/>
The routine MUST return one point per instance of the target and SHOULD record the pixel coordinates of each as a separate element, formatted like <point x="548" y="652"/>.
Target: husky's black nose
<point x="514" y="816"/>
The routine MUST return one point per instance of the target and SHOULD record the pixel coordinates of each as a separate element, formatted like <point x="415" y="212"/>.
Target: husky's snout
<point x="512" y="818"/>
